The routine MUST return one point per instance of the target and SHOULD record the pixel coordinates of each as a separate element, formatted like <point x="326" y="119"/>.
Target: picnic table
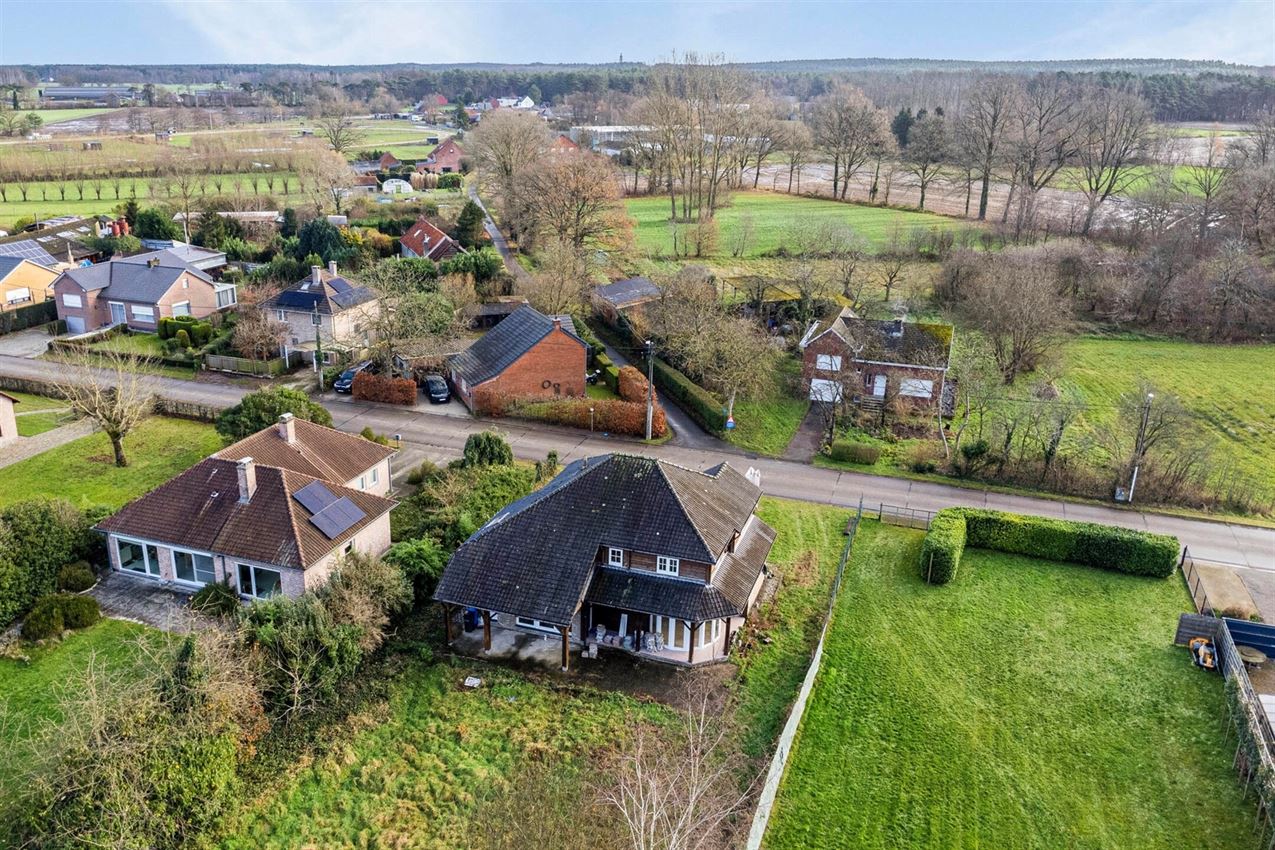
<point x="1251" y="655"/>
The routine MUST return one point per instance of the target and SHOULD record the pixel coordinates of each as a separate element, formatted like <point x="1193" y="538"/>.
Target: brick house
<point x="324" y="304"/>
<point x="23" y="282"/>
<point x="270" y="514"/>
<point x="527" y="354"/>
<point x="444" y="160"/>
<point x="876" y="361"/>
<point x="620" y="552"/>
<point x="425" y="239"/>
<point x="137" y="292"/>
<point x="562" y="145"/>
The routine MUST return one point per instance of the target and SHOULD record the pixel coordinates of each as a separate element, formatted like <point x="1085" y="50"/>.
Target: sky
<point x="443" y="31"/>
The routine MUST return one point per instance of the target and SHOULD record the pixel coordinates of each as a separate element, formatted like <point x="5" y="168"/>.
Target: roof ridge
<point x="526" y="509"/>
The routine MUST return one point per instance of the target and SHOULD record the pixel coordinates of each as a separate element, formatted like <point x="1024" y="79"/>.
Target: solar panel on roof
<point x="44" y="239"/>
<point x="337" y="518"/>
<point x="28" y="250"/>
<point x="314" y="496"/>
<point x="292" y="298"/>
<point x="340" y="284"/>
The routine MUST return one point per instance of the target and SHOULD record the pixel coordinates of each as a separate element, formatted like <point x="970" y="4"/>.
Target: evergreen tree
<point x="469" y="224"/>
<point x="901" y="125"/>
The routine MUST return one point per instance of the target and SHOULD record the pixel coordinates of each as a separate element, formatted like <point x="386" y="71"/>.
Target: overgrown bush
<point x="367" y="592"/>
<point x="383" y="388"/>
<point x="78" y="612"/>
<point x="217" y="599"/>
<point x="855" y="452"/>
<point x="487" y="448"/>
<point x="264" y="407"/>
<point x="43" y="621"/>
<point x="37" y="538"/>
<point x="422" y="561"/>
<point x="1089" y="544"/>
<point x="459" y="501"/>
<point x="76" y="577"/>
<point x="427" y="471"/>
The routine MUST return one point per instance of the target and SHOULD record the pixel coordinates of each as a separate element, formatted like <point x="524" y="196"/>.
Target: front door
<point x="878" y="386"/>
<point x="117" y="314"/>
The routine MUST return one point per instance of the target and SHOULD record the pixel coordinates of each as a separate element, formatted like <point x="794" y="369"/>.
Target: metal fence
<point x="1195" y="583"/>
<point x="909" y="517"/>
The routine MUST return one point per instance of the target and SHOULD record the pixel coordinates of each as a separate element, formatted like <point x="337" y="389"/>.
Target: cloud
<point x="333" y="32"/>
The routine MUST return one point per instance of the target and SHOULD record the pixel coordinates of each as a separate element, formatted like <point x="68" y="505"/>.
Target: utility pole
<point x="1141" y="444"/>
<point x="317" y="321"/>
<point x="650" y="385"/>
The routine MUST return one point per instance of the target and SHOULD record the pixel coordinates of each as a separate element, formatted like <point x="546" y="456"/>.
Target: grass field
<point x="83" y="471"/>
<point x="1228" y="387"/>
<point x="1029" y="705"/>
<point x="57" y="116"/>
<point x="30" y="691"/>
<point x="766" y="424"/>
<point x="1141" y="178"/>
<point x="37" y="414"/>
<point x="774" y="216"/>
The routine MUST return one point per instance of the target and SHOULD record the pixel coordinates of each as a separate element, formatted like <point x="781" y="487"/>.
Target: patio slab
<point x="146" y="601"/>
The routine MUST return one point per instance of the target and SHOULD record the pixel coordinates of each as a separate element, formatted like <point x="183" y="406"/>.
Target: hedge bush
<point x="384" y="388"/>
<point x="606" y="414"/>
<point x="76" y="577"/>
<point x="78" y="612"/>
<point x="37" y="538"/>
<point x="698" y="402"/>
<point x="632" y="385"/>
<point x="56" y="612"/>
<point x="217" y="599"/>
<point x="1090" y="544"/>
<point x="854" y="452"/>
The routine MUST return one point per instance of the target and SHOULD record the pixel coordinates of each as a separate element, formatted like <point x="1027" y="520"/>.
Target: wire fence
<point x="909" y="517"/>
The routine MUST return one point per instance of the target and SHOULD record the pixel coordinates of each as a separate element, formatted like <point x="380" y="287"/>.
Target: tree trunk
<point x="982" y="196"/>
<point x="117" y="446"/>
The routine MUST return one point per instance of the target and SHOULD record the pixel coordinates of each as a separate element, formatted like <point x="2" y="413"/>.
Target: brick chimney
<point x="247" y="479"/>
<point x="152" y="263"/>
<point x="316" y="274"/>
<point x="557" y="323"/>
<point x="332" y="267"/>
<point x="287" y="428"/>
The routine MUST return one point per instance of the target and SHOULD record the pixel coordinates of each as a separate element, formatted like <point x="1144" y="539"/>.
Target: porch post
<point x="690" y="655"/>
<point x="486" y="631"/>
<point x="447" y="621"/>
<point x="566" y="648"/>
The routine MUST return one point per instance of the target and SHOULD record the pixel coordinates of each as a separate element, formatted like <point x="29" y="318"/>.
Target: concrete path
<point x="686" y="431"/>
<point x="499" y="242"/>
<point x="31" y="342"/>
<point x="443" y="437"/>
<point x="25" y="447"/>
<point x="149" y="601"/>
<point x="805" y="443"/>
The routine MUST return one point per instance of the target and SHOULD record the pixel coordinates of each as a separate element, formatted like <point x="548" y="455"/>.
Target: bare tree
<point x="849" y="128"/>
<point x="1042" y="143"/>
<point x="505" y="147"/>
<point x="796" y="147"/>
<point x="337" y="126"/>
<point x="927" y="149"/>
<point x="561" y="280"/>
<point x="985" y="118"/>
<point x="734" y="359"/>
<point x="575" y="199"/>
<point x="1206" y="181"/>
<point x="1115" y="129"/>
<point x="328" y="177"/>
<point x="256" y="335"/>
<point x="110" y="389"/>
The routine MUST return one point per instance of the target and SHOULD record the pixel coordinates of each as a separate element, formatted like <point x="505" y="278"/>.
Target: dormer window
<point x="615" y="557"/>
<point x="665" y="565"/>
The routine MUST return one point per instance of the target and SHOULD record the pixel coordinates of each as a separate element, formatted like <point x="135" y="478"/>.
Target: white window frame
<point x="668" y="566"/>
<point x="195" y="571"/>
<point x="146" y="556"/>
<point x="71" y="300"/>
<point x="229" y="302"/>
<point x="828" y="362"/>
<point x="708" y="633"/>
<point x="141" y="313"/>
<point x="376" y="475"/>
<point x="181" y="308"/>
<point x="536" y="625"/>
<point x="916" y="388"/>
<point x="252" y="574"/>
<point x="362" y="482"/>
<point x="674" y="627"/>
<point x="18" y="295"/>
<point x="615" y="557"/>
<point x="280" y="315"/>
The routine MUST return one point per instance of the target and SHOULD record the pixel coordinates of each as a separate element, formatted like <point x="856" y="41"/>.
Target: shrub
<point x="78" y="612"/>
<point x="632" y="385"/>
<point x="427" y="471"/>
<point x="368" y="434"/>
<point x="855" y="452"/>
<point x="182" y="339"/>
<point x="76" y="577"/>
<point x="698" y="402"/>
<point x="605" y="414"/>
<point x="366" y="592"/>
<point x="942" y="548"/>
<point x="382" y="388"/>
<point x="1089" y="544"/>
<point x="264" y="407"/>
<point x="201" y="334"/>
<point x="487" y="448"/>
<point x="921" y="459"/>
<point x="37" y="538"/>
<point x="450" y="181"/>
<point x="44" y="620"/>
<point x="216" y="599"/>
<point x="422" y="562"/>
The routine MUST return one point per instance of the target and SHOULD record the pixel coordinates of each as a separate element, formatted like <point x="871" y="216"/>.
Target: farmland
<point x="773" y="218"/>
<point x="1029" y="704"/>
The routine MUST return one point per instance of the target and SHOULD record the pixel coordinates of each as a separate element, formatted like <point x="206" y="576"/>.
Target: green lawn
<point x="766" y="424"/>
<point x="37" y="414"/>
<point x="600" y="390"/>
<point x="57" y="116"/>
<point x="1228" y="387"/>
<point x="774" y="217"/>
<point x="30" y="690"/>
<point x="1141" y="178"/>
<point x="1028" y="705"/>
<point x="140" y="344"/>
<point x="83" y="471"/>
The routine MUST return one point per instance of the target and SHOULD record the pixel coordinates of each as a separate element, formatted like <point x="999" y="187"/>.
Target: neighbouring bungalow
<point x="326" y="306"/>
<point x="444" y="160"/>
<point x="137" y="292"/>
<point x="60" y="238"/>
<point x="23" y="282"/>
<point x="876" y="361"/>
<point x="195" y="256"/>
<point x="271" y="514"/>
<point x="388" y="161"/>
<point x="622" y="552"/>
<point x="425" y="239"/>
<point x="491" y="313"/>
<point x="612" y="299"/>
<point x="527" y="355"/>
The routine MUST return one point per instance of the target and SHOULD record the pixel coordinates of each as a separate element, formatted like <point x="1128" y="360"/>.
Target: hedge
<point x="56" y="612"/>
<point x="608" y="414"/>
<point x="1090" y="544"/>
<point x="37" y="538"/>
<point x="855" y="452"/>
<point x="369" y="387"/>
<point x="28" y="316"/>
<point x="698" y="402"/>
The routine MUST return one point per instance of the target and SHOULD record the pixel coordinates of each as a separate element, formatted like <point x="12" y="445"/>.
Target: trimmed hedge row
<point x="368" y="387"/>
<point x="610" y="374"/>
<point x="28" y="316"/>
<point x="855" y="452"/>
<point x="698" y="402"/>
<point x="607" y="414"/>
<point x="1090" y="544"/>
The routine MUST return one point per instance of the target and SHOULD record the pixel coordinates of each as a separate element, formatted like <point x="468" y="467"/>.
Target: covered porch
<point x="654" y="636"/>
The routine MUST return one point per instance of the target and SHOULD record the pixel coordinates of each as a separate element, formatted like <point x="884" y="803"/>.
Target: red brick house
<point x="425" y="239"/>
<point x="528" y="354"/>
<point x="563" y="145"/>
<point x="876" y="361"/>
<point x="388" y="161"/>
<point x="444" y="160"/>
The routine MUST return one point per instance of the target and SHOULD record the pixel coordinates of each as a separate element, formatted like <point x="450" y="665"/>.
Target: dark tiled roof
<point x="625" y="292"/>
<point x="895" y="341"/>
<point x="536" y="557"/>
<point x="133" y="281"/>
<point x="200" y="509"/>
<point x="54" y="238"/>
<point x="318" y="451"/>
<point x="501" y="346"/>
<point x="333" y="293"/>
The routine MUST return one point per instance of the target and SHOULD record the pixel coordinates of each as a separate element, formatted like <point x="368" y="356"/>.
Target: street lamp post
<point x="1141" y="445"/>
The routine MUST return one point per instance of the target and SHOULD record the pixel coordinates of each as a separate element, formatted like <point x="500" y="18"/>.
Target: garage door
<point x="824" y="390"/>
<point x="75" y="324"/>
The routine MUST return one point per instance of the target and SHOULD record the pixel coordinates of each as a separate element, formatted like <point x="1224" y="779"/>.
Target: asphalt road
<point x="441" y="437"/>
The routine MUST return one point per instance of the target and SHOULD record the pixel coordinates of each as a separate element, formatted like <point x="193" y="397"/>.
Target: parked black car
<point x="344" y="382"/>
<point x="437" y="390"/>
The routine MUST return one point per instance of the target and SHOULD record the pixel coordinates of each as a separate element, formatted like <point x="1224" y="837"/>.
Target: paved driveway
<point x="29" y="343"/>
